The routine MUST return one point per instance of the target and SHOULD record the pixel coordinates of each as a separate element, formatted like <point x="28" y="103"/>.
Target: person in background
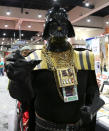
<point x="25" y="51"/>
<point x="105" y="69"/>
<point x="1" y="67"/>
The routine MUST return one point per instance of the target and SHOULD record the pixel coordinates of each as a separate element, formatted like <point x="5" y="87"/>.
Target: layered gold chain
<point x="59" y="60"/>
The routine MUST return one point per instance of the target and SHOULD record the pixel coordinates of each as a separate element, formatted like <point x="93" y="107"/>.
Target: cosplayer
<point x="62" y="90"/>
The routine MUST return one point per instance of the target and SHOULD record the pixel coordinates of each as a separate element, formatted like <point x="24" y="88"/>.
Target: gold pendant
<point x="65" y="77"/>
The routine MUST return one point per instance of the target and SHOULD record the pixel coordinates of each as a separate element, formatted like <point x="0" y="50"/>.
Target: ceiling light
<point x="8" y="13"/>
<point x="50" y="11"/>
<point x="31" y="39"/>
<point x="22" y="34"/>
<point x="3" y="39"/>
<point x="38" y="35"/>
<point x="88" y="20"/>
<point x="54" y="0"/>
<point x="29" y="26"/>
<point x="2" y="43"/>
<point x="5" y="26"/>
<point x="4" y="34"/>
<point x="87" y="4"/>
<point x="39" y="16"/>
<point x="107" y="22"/>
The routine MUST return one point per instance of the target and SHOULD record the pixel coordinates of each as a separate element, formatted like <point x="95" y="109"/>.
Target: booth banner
<point x="95" y="46"/>
<point x="89" y="43"/>
<point x="14" y="47"/>
<point x="103" y="47"/>
<point x="20" y="42"/>
<point x="98" y="67"/>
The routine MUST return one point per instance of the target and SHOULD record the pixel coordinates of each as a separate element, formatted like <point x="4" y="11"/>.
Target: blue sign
<point x="20" y="42"/>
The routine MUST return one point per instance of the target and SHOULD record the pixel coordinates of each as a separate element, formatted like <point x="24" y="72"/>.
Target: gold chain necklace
<point x="59" y="60"/>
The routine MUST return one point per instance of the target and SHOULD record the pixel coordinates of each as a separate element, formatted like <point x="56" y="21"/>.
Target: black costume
<point x="38" y="88"/>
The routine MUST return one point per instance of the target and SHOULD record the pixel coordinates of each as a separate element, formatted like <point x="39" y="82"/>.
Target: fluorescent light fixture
<point x="39" y="16"/>
<point x="5" y="26"/>
<point x="88" y="20"/>
<point x="4" y="34"/>
<point x="8" y="13"/>
<point x="29" y="26"/>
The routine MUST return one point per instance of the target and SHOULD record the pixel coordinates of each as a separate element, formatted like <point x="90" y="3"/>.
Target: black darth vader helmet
<point x="57" y="24"/>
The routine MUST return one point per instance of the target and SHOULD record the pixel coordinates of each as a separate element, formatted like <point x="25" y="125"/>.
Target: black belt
<point x="51" y="126"/>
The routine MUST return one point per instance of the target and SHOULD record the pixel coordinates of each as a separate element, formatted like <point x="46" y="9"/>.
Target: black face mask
<point x="57" y="24"/>
<point x="58" y="28"/>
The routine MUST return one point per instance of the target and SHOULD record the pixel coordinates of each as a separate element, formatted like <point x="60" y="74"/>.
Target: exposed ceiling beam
<point x="20" y="19"/>
<point x="75" y="15"/>
<point x="33" y="20"/>
<point x="95" y="21"/>
<point x="78" y="13"/>
<point x="8" y="18"/>
<point x="18" y="24"/>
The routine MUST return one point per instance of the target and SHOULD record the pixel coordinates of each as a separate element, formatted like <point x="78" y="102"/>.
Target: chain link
<point x="58" y="60"/>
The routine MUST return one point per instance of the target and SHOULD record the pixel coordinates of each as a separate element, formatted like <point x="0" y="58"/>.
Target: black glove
<point x="85" y="115"/>
<point x="19" y="72"/>
<point x="17" y="67"/>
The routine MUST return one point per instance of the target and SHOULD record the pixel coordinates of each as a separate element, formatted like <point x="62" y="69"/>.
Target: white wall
<point x="81" y="34"/>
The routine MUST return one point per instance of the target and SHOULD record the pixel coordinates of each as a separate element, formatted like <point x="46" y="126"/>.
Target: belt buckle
<point x="69" y="127"/>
